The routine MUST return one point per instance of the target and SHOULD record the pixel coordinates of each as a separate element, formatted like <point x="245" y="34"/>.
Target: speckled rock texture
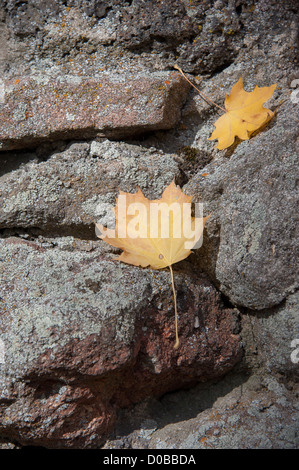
<point x="38" y="109"/>
<point x="254" y="199"/>
<point x="76" y="323"/>
<point x="90" y="104"/>
<point x="79" y="184"/>
<point x="236" y="413"/>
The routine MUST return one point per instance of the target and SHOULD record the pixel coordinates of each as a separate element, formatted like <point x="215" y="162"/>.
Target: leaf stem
<point x="177" y="342"/>
<point x="200" y="92"/>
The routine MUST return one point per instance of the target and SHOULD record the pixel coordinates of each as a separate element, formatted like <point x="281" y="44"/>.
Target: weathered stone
<point x="67" y="399"/>
<point x="72" y="187"/>
<point x="85" y="36"/>
<point x="139" y="32"/>
<point x="252" y="238"/>
<point x="36" y="109"/>
<point x="146" y="24"/>
<point x="75" y="325"/>
<point x="236" y="413"/>
<point x="274" y="334"/>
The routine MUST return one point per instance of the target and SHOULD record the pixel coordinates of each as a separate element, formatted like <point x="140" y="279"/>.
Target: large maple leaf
<point x="159" y="235"/>
<point x="145" y="246"/>
<point x="244" y="114"/>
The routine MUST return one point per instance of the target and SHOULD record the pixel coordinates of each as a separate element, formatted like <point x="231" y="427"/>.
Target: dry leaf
<point x="150" y="250"/>
<point x="159" y="235"/>
<point x="245" y="114"/>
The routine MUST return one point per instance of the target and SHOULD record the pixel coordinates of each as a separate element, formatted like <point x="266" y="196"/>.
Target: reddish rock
<point x="70" y="107"/>
<point x="86" y="336"/>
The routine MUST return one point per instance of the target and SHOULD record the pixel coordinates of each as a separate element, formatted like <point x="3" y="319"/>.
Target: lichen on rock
<point x="90" y="104"/>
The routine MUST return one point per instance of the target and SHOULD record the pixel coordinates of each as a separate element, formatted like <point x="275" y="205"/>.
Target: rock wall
<point x="91" y="104"/>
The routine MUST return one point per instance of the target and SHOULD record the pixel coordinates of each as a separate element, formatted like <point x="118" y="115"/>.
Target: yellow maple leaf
<point x="155" y="233"/>
<point x="244" y="114"/>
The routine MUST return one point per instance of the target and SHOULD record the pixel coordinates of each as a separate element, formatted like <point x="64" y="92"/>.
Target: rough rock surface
<point x="253" y="198"/>
<point x="74" y="324"/>
<point x="86" y="343"/>
<point x="237" y="413"/>
<point x="78" y="184"/>
<point x="37" y="109"/>
<point x="254" y="407"/>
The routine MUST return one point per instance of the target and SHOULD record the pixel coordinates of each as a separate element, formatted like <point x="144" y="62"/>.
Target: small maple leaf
<point x="244" y="114"/>
<point x="159" y="235"/>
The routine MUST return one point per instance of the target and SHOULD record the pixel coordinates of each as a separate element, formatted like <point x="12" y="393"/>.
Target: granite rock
<point x="86" y="343"/>
<point x="68" y="190"/>
<point x="252" y="238"/>
<point x="73" y="325"/>
<point x="36" y="109"/>
<point x="257" y="412"/>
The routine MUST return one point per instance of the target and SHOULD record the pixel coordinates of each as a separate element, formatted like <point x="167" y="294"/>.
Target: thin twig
<point x="200" y="92"/>
<point x="177" y="342"/>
